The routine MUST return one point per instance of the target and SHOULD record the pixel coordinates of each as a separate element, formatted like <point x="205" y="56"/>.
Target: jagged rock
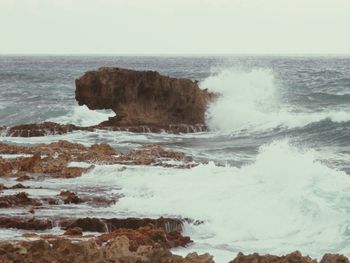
<point x="53" y="159"/>
<point x="142" y="97"/>
<point x="149" y="236"/>
<point x="16" y="186"/>
<point x="70" y="197"/>
<point x="18" y="200"/>
<point x="40" y="129"/>
<point x="66" y="251"/>
<point x="75" y="231"/>
<point x="334" y="258"/>
<point x="294" y="257"/>
<point x="112" y="224"/>
<point x="25" y="223"/>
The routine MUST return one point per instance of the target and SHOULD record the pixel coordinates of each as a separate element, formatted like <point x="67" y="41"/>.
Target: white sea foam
<point x="251" y="100"/>
<point x="82" y="116"/>
<point x="285" y="200"/>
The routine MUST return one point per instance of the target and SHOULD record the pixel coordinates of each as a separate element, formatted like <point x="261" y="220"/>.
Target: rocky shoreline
<point x="144" y="102"/>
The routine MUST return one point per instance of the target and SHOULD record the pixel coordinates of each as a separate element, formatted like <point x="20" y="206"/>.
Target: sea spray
<point x="83" y="116"/>
<point x="285" y="200"/>
<point x="252" y="100"/>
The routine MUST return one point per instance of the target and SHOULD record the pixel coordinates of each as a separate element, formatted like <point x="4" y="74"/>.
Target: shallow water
<point x="281" y="127"/>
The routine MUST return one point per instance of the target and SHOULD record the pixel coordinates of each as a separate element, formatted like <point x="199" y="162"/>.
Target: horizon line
<point x="178" y="54"/>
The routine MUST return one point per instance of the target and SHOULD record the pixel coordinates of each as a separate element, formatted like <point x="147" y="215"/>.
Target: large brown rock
<point x="142" y="97"/>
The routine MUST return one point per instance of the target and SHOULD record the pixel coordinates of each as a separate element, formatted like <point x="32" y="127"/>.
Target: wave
<point x="83" y="116"/>
<point x="285" y="200"/>
<point x="252" y="100"/>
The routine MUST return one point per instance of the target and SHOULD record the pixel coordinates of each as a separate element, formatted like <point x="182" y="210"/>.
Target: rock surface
<point x="142" y="97"/>
<point x="294" y="257"/>
<point x="53" y="159"/>
<point x="112" y="224"/>
<point x="18" y="200"/>
<point x="66" y="251"/>
<point x="25" y="223"/>
<point x="41" y="129"/>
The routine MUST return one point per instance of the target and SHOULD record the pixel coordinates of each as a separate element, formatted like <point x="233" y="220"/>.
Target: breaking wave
<point x="285" y="200"/>
<point x="252" y="100"/>
<point x="82" y="116"/>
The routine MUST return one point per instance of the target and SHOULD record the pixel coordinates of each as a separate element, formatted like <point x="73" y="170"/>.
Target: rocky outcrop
<point x="53" y="159"/>
<point x="41" y="129"/>
<point x="294" y="257"/>
<point x="25" y="223"/>
<point x="66" y="251"/>
<point x="150" y="236"/>
<point x="112" y="224"/>
<point x="18" y="200"/>
<point x="334" y="258"/>
<point x="143" y="98"/>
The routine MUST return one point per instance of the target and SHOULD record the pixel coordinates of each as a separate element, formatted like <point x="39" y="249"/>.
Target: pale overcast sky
<point x="175" y="26"/>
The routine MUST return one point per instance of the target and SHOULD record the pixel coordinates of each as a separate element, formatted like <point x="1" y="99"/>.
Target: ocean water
<point x="281" y="127"/>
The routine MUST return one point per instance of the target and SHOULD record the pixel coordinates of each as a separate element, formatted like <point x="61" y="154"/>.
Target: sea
<point x="279" y="130"/>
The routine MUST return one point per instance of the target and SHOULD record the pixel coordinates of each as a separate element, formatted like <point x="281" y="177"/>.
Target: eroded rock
<point x="54" y="158"/>
<point x="40" y="129"/>
<point x="112" y="224"/>
<point x="25" y="223"/>
<point x="18" y="200"/>
<point x="142" y="98"/>
<point x="294" y="257"/>
<point x="90" y="251"/>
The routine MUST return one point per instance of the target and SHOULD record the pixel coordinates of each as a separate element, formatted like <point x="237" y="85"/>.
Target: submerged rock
<point x="40" y="129"/>
<point x="142" y="98"/>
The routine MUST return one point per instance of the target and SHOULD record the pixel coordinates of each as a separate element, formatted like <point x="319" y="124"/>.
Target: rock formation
<point x="53" y="159"/>
<point x="66" y="251"/>
<point x="142" y="98"/>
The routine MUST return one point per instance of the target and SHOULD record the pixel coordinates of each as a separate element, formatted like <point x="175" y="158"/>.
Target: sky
<point x="174" y="27"/>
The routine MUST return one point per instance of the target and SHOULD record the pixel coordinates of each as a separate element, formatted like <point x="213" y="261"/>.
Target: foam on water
<point x="285" y="200"/>
<point x="83" y="116"/>
<point x="252" y="100"/>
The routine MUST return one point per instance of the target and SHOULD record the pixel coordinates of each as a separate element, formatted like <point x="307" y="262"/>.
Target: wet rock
<point x="334" y="258"/>
<point x="25" y="223"/>
<point x="19" y="186"/>
<point x="16" y="186"/>
<point x="151" y="154"/>
<point x="22" y="177"/>
<point x="142" y="98"/>
<point x="294" y="257"/>
<point x="149" y="236"/>
<point x="14" y="149"/>
<point x="67" y="251"/>
<point x="75" y="231"/>
<point x="40" y="129"/>
<point x="53" y="159"/>
<point x="18" y="200"/>
<point x="111" y="224"/>
<point x="70" y="197"/>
